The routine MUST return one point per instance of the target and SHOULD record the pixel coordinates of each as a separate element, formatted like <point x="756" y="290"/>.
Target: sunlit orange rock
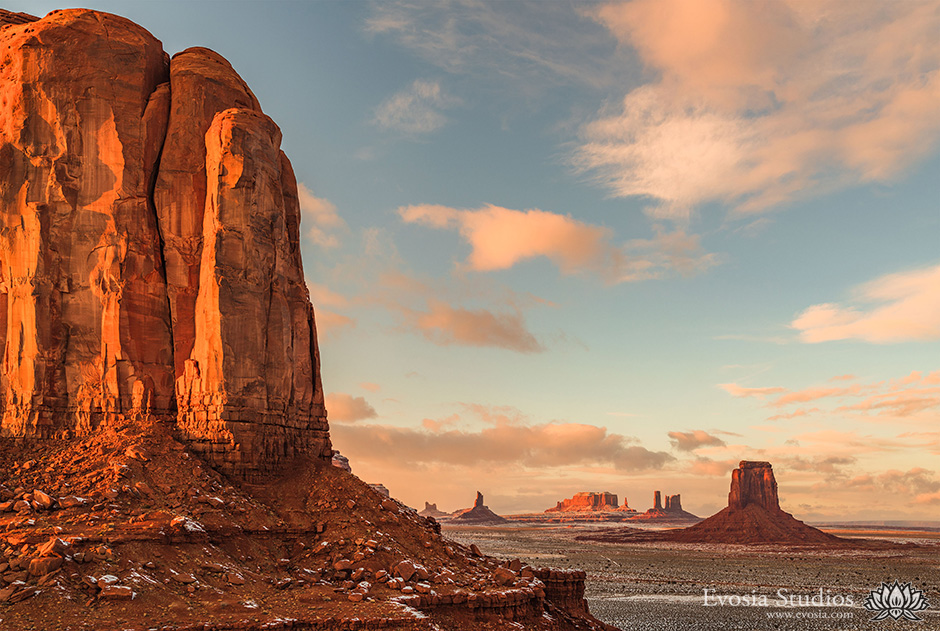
<point x="149" y="252"/>
<point x="203" y="84"/>
<point x="250" y="391"/>
<point x="587" y="501"/>
<point x="83" y="317"/>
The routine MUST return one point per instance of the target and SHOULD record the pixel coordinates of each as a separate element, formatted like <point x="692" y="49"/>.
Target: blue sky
<point x="558" y="247"/>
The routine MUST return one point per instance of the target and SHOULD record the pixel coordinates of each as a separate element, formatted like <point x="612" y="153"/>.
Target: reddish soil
<point x="187" y="548"/>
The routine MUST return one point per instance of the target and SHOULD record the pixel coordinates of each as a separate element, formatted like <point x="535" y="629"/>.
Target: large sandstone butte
<point x="160" y="372"/>
<point x="587" y="501"/>
<point x="753" y="517"/>
<point x="753" y="514"/>
<point x="149" y="253"/>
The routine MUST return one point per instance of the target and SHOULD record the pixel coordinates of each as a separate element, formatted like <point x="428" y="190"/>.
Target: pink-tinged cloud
<point x="508" y="437"/>
<point x="320" y="218"/>
<point x="321" y="295"/>
<point x="371" y="387"/>
<point x="553" y="444"/>
<point x="819" y="464"/>
<point x="740" y="391"/>
<point x="709" y="467"/>
<point x="330" y="324"/>
<point x="928" y="498"/>
<point x="900" y="404"/>
<point x="843" y="378"/>
<point x="902" y="398"/>
<point x="445" y="325"/>
<point x="502" y="237"/>
<point x="902" y="307"/>
<point x="742" y="112"/>
<point x="813" y="394"/>
<point x="690" y="441"/>
<point x="794" y="414"/>
<point x="345" y="408"/>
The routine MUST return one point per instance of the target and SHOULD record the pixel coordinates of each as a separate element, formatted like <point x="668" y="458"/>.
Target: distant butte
<point x="590" y="501"/>
<point x="753" y="516"/>
<point x="430" y="510"/>
<point x="479" y="515"/>
<point x="671" y="512"/>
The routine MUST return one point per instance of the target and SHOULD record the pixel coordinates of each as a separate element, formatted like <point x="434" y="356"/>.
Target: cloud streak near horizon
<point x="508" y="437"/>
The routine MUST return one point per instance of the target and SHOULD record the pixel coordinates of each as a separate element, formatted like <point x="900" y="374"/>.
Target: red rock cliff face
<point x="149" y="257"/>
<point x="753" y="483"/>
<point x="586" y="501"/>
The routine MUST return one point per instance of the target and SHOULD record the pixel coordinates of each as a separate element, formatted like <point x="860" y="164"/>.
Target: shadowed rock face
<point x="149" y="252"/>
<point x="753" y="483"/>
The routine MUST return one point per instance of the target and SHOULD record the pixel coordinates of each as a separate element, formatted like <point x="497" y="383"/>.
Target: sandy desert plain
<point x="660" y="586"/>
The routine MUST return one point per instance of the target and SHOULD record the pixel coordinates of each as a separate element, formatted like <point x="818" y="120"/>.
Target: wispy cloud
<point x="903" y="307"/>
<point x="503" y="237"/>
<point x="323" y="216"/>
<point x="446" y="325"/>
<point x="896" y="399"/>
<point x="690" y="441"/>
<point x="330" y="324"/>
<point x="740" y="391"/>
<point x="759" y="104"/>
<point x="415" y="110"/>
<point x="530" y="44"/>
<point x="320" y="294"/>
<point x="345" y="408"/>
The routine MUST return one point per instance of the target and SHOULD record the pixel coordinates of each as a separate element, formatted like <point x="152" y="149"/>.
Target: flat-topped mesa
<point x="149" y="248"/>
<point x="753" y="483"/>
<point x="431" y="510"/>
<point x="587" y="501"/>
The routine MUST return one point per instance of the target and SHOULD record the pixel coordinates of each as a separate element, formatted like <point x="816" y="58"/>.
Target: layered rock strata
<point x="753" y="483"/>
<point x="149" y="248"/>
<point x="587" y="501"/>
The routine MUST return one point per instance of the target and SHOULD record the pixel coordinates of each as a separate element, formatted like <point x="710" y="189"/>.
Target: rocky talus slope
<point x="163" y="439"/>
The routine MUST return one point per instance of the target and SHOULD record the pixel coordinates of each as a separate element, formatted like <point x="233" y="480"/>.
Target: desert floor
<point x="661" y="586"/>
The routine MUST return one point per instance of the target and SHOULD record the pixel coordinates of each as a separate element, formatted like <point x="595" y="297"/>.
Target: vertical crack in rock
<point x="144" y="273"/>
<point x="77" y="247"/>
